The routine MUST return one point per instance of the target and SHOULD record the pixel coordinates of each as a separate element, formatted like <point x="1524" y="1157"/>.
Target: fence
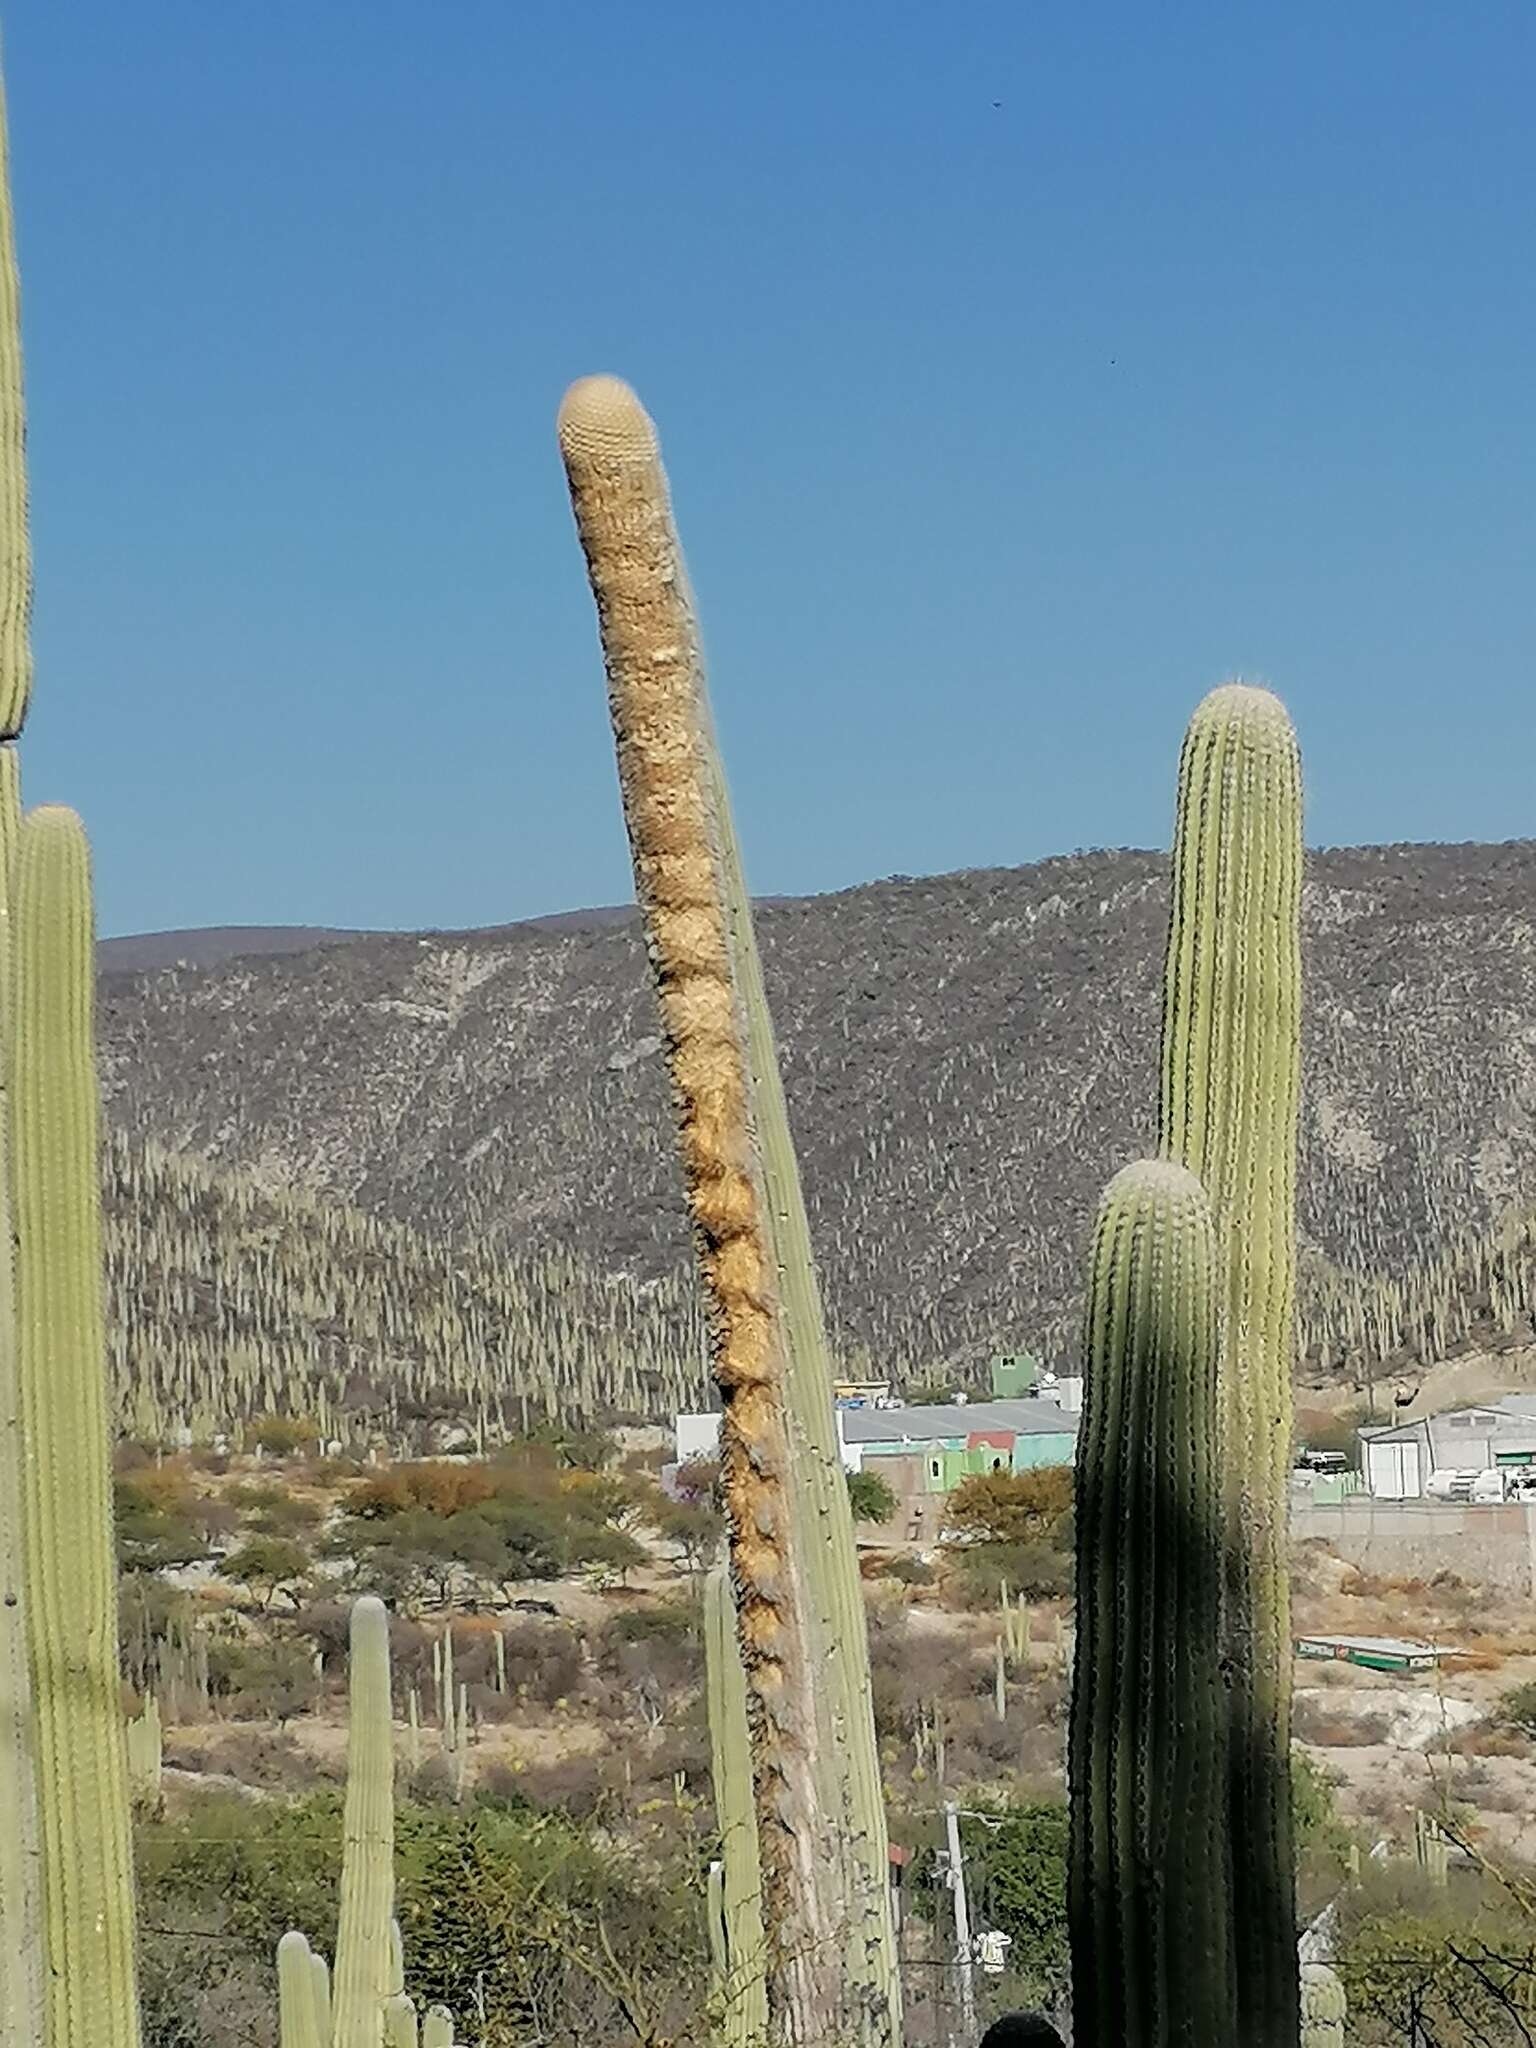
<point x="1415" y="1539"/>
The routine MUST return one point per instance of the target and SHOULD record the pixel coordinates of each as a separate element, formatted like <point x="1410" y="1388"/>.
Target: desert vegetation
<point x="362" y="1687"/>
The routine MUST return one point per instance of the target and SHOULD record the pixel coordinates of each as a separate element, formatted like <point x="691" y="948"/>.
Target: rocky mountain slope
<point x="968" y="1058"/>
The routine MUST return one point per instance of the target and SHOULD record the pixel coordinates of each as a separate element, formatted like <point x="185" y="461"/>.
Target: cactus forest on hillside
<point x="230" y="1301"/>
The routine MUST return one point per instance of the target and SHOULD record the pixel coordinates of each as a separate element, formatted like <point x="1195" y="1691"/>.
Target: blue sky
<point x="997" y="433"/>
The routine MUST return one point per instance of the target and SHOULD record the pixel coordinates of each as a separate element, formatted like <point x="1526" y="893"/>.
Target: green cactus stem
<point x="1324" y="2007"/>
<point x="1230" y="1086"/>
<point x="298" y="2015"/>
<point x="365" y="1942"/>
<point x="320" y="1974"/>
<point x="1149" y="1869"/>
<point x="400" y="2029"/>
<point x="15" y="540"/>
<point x="71" y="1569"/>
<point x="802" y="1641"/>
<point x="736" y="1918"/>
<point x="21" y="1887"/>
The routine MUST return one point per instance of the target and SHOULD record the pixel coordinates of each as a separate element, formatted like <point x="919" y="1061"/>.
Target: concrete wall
<point x="1416" y="1539"/>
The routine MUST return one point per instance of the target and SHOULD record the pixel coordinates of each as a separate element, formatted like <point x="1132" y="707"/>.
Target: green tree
<point x="152" y="1537"/>
<point x="870" y="1497"/>
<point x="691" y="1527"/>
<point x="1016" y="1873"/>
<point x="268" y="1565"/>
<point x="1011" y="1507"/>
<point x="263" y="1681"/>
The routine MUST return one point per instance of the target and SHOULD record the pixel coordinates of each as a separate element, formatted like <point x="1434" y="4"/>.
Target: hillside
<point x="967" y="1059"/>
<point x="229" y="1300"/>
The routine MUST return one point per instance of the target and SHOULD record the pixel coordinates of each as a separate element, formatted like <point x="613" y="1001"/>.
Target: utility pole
<point x="955" y="1876"/>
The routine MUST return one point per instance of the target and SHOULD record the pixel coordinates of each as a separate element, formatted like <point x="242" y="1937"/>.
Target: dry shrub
<point x="1488" y="1738"/>
<point x="576" y="1785"/>
<point x="1313" y="1723"/>
<point x="271" y="1760"/>
<point x="1025" y="1751"/>
<point x="543" y="1662"/>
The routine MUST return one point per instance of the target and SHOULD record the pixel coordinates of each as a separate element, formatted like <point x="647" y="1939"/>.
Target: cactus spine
<point x="21" y="1929"/>
<point x="800" y="1620"/>
<point x="365" y="1942"/>
<point x="1149" y="1869"/>
<point x="736" y="1921"/>
<point x="1230" y="1084"/>
<point x="71" y="1571"/>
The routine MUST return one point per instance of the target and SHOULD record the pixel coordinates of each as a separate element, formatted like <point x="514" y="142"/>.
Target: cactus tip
<point x="600" y="417"/>
<point x="1165" y="1179"/>
<point x="1248" y="703"/>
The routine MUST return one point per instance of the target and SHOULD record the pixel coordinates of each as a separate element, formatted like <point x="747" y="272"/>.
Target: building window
<point x="933" y="1468"/>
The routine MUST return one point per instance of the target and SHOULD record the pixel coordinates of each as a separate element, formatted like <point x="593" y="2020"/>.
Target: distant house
<point x="1399" y="1461"/>
<point x="922" y="1454"/>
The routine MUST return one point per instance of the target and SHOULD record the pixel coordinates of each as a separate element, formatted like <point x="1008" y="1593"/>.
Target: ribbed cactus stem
<point x="1149" y="1869"/>
<point x="71" y="1569"/>
<point x="849" y="1763"/>
<point x="715" y="1026"/>
<point x="399" y="2022"/>
<point x="21" y="1888"/>
<point x="1324" y="2007"/>
<point x="738" y="1920"/>
<point x="1231" y="1065"/>
<point x="15" y="539"/>
<point x="298" y="2020"/>
<point x="365" y="1952"/>
<point x="320" y="1977"/>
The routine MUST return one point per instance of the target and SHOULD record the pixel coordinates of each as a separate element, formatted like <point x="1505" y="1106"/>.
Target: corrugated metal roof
<point x="925" y="1425"/>
<point x="1498" y="1425"/>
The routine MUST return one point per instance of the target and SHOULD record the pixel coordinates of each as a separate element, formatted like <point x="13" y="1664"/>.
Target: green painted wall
<point x="1030" y="1452"/>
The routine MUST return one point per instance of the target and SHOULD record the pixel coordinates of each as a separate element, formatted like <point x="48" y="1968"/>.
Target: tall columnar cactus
<point x="736" y="1916"/>
<point x="366" y="1972"/>
<point x="21" y="1938"/>
<point x="71" y="1573"/>
<point x="1150" y="1865"/>
<point x="1230" y="1086"/>
<point x="821" y="1822"/>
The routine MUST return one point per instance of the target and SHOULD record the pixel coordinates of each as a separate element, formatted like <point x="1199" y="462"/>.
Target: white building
<point x="1400" y="1460"/>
